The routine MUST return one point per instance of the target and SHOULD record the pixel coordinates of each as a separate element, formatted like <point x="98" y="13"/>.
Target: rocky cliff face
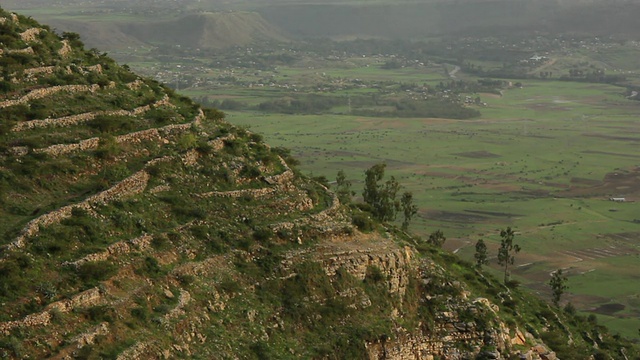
<point x="136" y="225"/>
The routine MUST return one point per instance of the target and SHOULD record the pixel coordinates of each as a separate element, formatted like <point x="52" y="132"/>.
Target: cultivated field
<point x="543" y="159"/>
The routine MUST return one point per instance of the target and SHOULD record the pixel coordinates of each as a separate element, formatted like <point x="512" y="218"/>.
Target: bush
<point x="262" y="234"/>
<point x="99" y="313"/>
<point x="374" y="275"/>
<point x="214" y="114"/>
<point x="91" y="273"/>
<point x="160" y="242"/>
<point x="108" y="148"/>
<point x="110" y="124"/>
<point x="151" y="267"/>
<point x="186" y="142"/>
<point x="363" y="222"/>
<point x="11" y="347"/>
<point x="229" y="286"/>
<point x="141" y="313"/>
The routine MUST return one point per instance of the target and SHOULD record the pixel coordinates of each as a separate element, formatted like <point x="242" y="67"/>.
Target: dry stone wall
<point x="27" y="50"/>
<point x="31" y="35"/>
<point x="141" y="243"/>
<point x="131" y="138"/>
<point x="66" y="49"/>
<point x="132" y="185"/>
<point x="183" y="300"/>
<point x="44" y="92"/>
<point x="135" y="352"/>
<point x="33" y="320"/>
<point x="279" y="181"/>
<point x="81" y="118"/>
<point x="89" y="337"/>
<point x="327" y="221"/>
<point x="61" y="149"/>
<point x="88" y="298"/>
<point x="91" y="297"/>
<point x="39" y="70"/>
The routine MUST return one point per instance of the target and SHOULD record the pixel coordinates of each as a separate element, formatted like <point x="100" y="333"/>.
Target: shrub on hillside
<point x="90" y="273"/>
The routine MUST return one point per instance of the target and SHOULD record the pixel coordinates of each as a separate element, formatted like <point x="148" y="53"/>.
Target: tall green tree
<point x="558" y="284"/>
<point x="480" y="254"/>
<point x="507" y="251"/>
<point x="371" y="191"/>
<point x="381" y="197"/>
<point x="409" y="209"/>
<point x="343" y="188"/>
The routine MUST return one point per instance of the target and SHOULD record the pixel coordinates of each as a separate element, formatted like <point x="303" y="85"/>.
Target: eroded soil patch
<point x="455" y="217"/>
<point x="609" y="309"/>
<point x="494" y="213"/>
<point x="477" y="154"/>
<point x="622" y="183"/>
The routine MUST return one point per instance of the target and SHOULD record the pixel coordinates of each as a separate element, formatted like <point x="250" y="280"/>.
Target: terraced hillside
<point x="135" y="225"/>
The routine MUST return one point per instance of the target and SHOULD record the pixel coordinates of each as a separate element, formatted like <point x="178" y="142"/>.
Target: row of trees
<point x="506" y="257"/>
<point x="381" y="197"/>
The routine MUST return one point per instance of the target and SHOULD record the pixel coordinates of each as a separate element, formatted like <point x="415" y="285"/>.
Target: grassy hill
<point x="136" y="225"/>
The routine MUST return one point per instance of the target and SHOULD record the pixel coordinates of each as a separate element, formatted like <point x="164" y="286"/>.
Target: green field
<point x="542" y="159"/>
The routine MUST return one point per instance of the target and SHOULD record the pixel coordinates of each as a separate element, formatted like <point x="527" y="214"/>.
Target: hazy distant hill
<point x="201" y="30"/>
<point x="404" y="19"/>
<point x="207" y="30"/>
<point x="210" y="24"/>
<point x="488" y="17"/>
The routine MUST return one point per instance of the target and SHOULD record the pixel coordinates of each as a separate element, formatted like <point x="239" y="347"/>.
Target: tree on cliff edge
<point x="507" y="251"/>
<point x="381" y="197"/>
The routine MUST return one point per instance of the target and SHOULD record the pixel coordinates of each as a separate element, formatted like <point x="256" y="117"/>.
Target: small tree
<point x="374" y="174"/>
<point x="507" y="251"/>
<point x="437" y="238"/>
<point x="481" y="253"/>
<point x="409" y="209"/>
<point x="343" y="188"/>
<point x="558" y="283"/>
<point x="382" y="198"/>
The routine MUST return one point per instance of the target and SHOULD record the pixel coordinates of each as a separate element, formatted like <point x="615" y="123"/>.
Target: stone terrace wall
<point x="66" y="49"/>
<point x="120" y="248"/>
<point x="41" y="93"/>
<point x="135" y="137"/>
<point x="91" y="297"/>
<point x="31" y="35"/>
<point x="80" y="118"/>
<point x="132" y="185"/>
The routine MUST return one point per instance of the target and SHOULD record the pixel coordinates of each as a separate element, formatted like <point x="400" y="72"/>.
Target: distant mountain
<point x="207" y="30"/>
<point x="206" y="25"/>
<point x="198" y="30"/>
<point x="428" y="18"/>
